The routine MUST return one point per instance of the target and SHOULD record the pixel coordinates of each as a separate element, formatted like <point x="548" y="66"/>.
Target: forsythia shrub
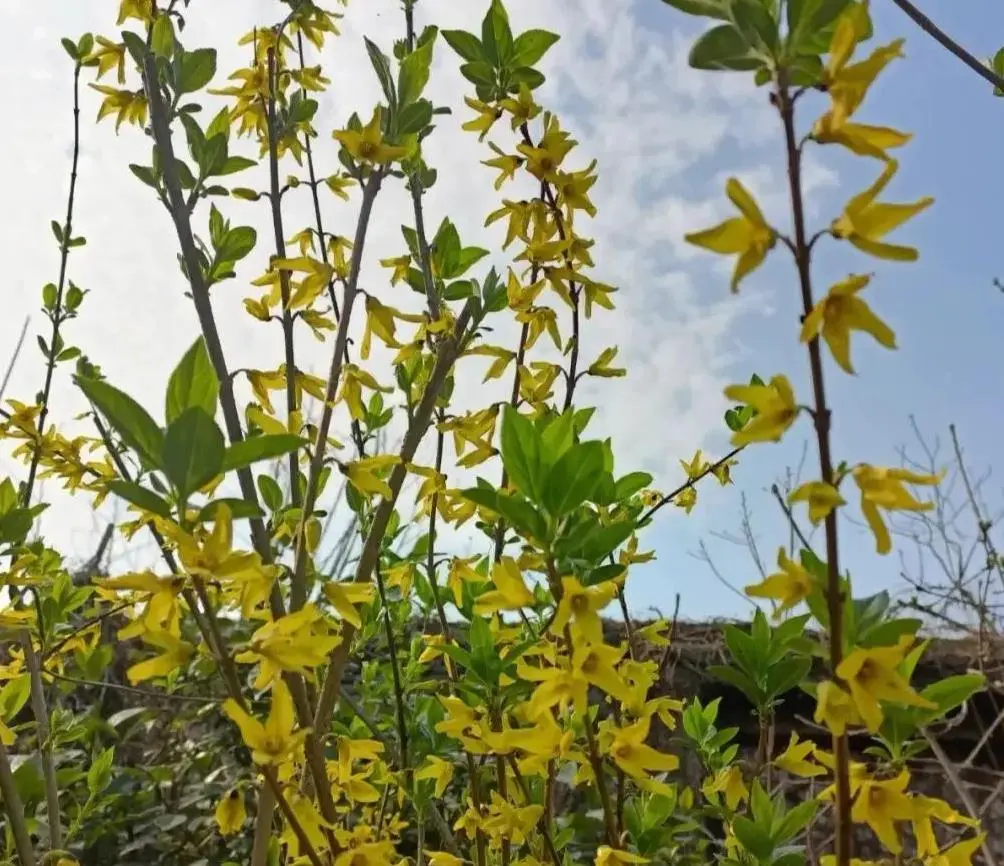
<point x="412" y="766"/>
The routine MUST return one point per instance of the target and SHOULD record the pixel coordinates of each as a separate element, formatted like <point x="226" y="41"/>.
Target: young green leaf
<point x="193" y="383"/>
<point x="140" y="496"/>
<point x="194" y="451"/>
<point x="127" y="418"/>
<point x="521" y="454"/>
<point x="257" y="448"/>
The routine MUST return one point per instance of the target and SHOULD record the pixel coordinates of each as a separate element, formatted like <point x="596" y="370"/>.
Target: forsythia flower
<point x="871" y="675"/>
<point x="841" y="312"/>
<point x="795" y="759"/>
<point x="821" y="498"/>
<point x="883" y="488"/>
<point x="275" y="741"/>
<point x="775" y="407"/>
<point x="865" y="222"/>
<point x="729" y="782"/>
<point x="835" y="708"/>
<point x="607" y="856"/>
<point x="790" y="586"/>
<point x="748" y="236"/>
<point x="367" y="144"/>
<point x="230" y="813"/>
<point x="581" y="605"/>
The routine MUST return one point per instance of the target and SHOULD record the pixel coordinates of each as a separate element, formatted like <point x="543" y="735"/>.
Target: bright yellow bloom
<point x="581" y="605"/>
<point x="597" y="664"/>
<point x="841" y="312"/>
<point x="230" y="813"/>
<point x="439" y="771"/>
<point x="795" y="759"/>
<point x="835" y="708"/>
<point x="443" y="858"/>
<point x="775" y="407"/>
<point x="860" y="138"/>
<point x="959" y="854"/>
<point x="629" y="751"/>
<point x="730" y="784"/>
<point x="871" y="675"/>
<point x="295" y="643"/>
<point x="175" y="654"/>
<point x="485" y="120"/>
<point x="510" y="591"/>
<point x="880" y="804"/>
<point x="275" y="741"/>
<point x="365" y="474"/>
<point x="884" y="488"/>
<point x="748" y="236"/>
<point x="696" y="467"/>
<point x="790" y="586"/>
<point x="865" y="222"/>
<point x="344" y="595"/>
<point x="847" y="84"/>
<point x="607" y="856"/>
<point x="926" y="809"/>
<point x="821" y="498"/>
<point x="686" y="499"/>
<point x="367" y="144"/>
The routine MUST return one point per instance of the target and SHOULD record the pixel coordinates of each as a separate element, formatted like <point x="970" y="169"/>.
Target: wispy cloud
<point x="620" y="82"/>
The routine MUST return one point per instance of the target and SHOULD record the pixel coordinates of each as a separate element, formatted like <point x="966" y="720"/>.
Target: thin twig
<point x="15" y="810"/>
<point x="41" y="713"/>
<point x="942" y="38"/>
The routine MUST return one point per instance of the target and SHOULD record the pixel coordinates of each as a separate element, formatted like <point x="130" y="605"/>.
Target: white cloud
<point x="621" y="86"/>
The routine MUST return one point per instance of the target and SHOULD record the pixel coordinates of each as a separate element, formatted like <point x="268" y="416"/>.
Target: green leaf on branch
<point x="196" y="69"/>
<point x="141" y="497"/>
<point x="530" y="46"/>
<point x="257" y="448"/>
<point x="193" y="383"/>
<point x="127" y="418"/>
<point x="194" y="451"/>
<point x="724" y="48"/>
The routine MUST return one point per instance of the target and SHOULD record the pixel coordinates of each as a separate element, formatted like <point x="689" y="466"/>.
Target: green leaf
<point x="521" y="454"/>
<point x="234" y="164"/>
<point x="604" y="540"/>
<point x="811" y="24"/>
<point x="257" y="448"/>
<point x="753" y="838"/>
<point x="193" y="383"/>
<point x="140" y="496"/>
<point x="496" y="35"/>
<point x="381" y="65"/>
<point x="757" y="25"/>
<point x="631" y="484"/>
<point x="479" y="72"/>
<point x="197" y="69"/>
<point x="240" y="509"/>
<point x="236" y="244"/>
<point x="704" y="8"/>
<point x="414" y="117"/>
<point x="127" y="418"/>
<point x="572" y="480"/>
<point x="271" y="492"/>
<point x="162" y="36"/>
<point x="786" y="674"/>
<point x="531" y="46"/>
<point x="953" y="692"/>
<point x="740" y="680"/>
<point x="723" y="48"/>
<point x="194" y="451"/>
<point x="520" y="515"/>
<point x="794" y="822"/>
<point x="467" y="45"/>
<point x="99" y="774"/>
<point x="414" y="73"/>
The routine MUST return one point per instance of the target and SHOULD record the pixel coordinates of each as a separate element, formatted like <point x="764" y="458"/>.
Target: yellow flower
<point x="367" y="144"/>
<point x="748" y="236"/>
<point x="399" y="266"/>
<point x="865" y="222"/>
<point x="607" y="856"/>
<point x="686" y="499"/>
<point x="485" y="120"/>
<point x="835" y="708"/>
<point x="775" y="407"/>
<point x="860" y="138"/>
<point x="443" y="858"/>
<point x="821" y="498"/>
<point x="344" y="595"/>
<point x="880" y="804"/>
<point x="597" y="665"/>
<point x="841" y="312"/>
<point x="629" y="751"/>
<point x="959" y="854"/>
<point x="790" y="586"/>
<point x="883" y="488"/>
<point x="175" y="654"/>
<point x="871" y="675"/>
<point x="295" y="643"/>
<point x="510" y="591"/>
<point x="795" y="759"/>
<point x="927" y="808"/>
<point x="728" y="782"/>
<point x="438" y="770"/>
<point x="581" y="605"/>
<point x="230" y="813"/>
<point x="364" y="474"/>
<point x="847" y="84"/>
<point x="275" y="741"/>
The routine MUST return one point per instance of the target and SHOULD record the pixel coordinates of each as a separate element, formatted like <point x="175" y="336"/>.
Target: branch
<point x="939" y="36"/>
<point x="15" y="810"/>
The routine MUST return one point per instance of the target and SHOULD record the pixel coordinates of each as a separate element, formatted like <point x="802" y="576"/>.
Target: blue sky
<point x="666" y="138"/>
<point x="947" y="314"/>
